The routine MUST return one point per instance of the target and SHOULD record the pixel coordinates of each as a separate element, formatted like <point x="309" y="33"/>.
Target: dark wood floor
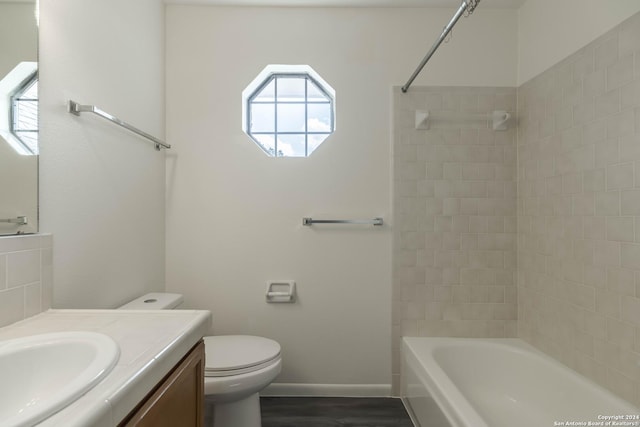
<point x="333" y="412"/>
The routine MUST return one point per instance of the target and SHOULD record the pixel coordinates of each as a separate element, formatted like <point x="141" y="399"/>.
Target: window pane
<point x="319" y="118"/>
<point x="268" y="94"/>
<point x="267" y="142"/>
<point x="291" y="89"/>
<point x="25" y="115"/>
<point x="263" y="118"/>
<point x="291" y="117"/>
<point x="314" y="141"/>
<point x="291" y="145"/>
<point x="314" y="94"/>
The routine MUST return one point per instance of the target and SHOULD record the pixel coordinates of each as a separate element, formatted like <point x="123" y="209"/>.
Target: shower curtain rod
<point x="466" y="6"/>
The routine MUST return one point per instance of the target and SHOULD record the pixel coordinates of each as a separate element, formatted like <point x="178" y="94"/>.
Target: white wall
<point x="551" y="30"/>
<point x="18" y="35"/>
<point x="234" y="215"/>
<point x="102" y="188"/>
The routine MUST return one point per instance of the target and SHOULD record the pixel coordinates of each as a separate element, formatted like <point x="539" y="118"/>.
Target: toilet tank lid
<point x="154" y="301"/>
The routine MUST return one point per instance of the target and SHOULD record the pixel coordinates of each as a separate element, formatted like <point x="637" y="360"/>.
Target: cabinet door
<point x="178" y="399"/>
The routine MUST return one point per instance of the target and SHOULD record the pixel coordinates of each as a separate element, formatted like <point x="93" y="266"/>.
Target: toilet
<point x="237" y="367"/>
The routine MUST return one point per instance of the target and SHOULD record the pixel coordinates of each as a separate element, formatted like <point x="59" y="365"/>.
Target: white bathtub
<point x="500" y="382"/>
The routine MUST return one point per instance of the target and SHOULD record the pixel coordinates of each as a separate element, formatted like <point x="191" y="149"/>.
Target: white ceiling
<point x="494" y="4"/>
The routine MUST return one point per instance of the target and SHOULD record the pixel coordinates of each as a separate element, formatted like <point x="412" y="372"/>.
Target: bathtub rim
<point x="440" y="388"/>
<point x="445" y="392"/>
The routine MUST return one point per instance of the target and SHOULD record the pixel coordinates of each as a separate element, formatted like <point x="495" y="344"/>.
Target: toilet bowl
<point x="237" y="367"/>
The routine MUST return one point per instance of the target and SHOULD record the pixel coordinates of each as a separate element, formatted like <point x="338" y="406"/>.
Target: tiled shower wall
<point x="25" y="276"/>
<point x="455" y="217"/>
<point x="579" y="210"/>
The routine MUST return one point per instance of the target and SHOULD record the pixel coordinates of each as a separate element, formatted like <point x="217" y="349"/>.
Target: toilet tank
<point x="154" y="301"/>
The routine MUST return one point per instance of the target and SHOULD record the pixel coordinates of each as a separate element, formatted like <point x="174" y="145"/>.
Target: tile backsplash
<point x="579" y="210"/>
<point x="25" y="276"/>
<point x="454" y="250"/>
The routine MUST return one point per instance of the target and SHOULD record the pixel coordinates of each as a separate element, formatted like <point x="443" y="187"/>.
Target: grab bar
<point x="75" y="108"/>
<point x="21" y="220"/>
<point x="311" y="221"/>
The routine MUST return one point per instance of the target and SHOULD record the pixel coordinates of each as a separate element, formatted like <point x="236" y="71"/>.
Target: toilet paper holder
<point x="281" y="291"/>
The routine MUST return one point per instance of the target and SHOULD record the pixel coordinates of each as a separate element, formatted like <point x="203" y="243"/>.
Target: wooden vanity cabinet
<point x="178" y="399"/>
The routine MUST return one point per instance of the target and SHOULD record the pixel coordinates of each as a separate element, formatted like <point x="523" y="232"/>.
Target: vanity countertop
<point x="151" y="343"/>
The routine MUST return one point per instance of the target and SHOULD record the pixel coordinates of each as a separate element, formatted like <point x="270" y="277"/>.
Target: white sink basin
<point x="41" y="374"/>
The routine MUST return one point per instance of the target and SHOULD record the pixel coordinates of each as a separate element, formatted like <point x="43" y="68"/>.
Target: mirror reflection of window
<point x="24" y="114"/>
<point x="19" y="108"/>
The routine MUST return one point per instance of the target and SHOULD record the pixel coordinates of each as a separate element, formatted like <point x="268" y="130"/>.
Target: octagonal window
<point x="24" y="114"/>
<point x="288" y="111"/>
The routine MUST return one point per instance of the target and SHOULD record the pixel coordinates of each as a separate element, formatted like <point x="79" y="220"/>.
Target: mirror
<point x="18" y="117"/>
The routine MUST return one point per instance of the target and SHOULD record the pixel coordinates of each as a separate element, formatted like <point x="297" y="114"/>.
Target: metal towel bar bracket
<point x="311" y="221"/>
<point x="75" y="108"/>
<point x="21" y="220"/>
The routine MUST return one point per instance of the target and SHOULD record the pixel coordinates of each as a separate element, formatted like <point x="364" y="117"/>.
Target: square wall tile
<point x="3" y="271"/>
<point x="23" y="268"/>
<point x="32" y="299"/>
<point x="11" y="306"/>
<point x="26" y="276"/>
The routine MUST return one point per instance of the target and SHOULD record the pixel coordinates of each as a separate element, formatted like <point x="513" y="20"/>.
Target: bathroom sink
<point x="41" y="374"/>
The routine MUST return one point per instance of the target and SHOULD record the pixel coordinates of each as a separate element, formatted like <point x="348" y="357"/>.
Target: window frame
<point x="273" y="77"/>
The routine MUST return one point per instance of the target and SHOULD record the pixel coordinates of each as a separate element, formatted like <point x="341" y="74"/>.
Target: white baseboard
<point x="327" y="390"/>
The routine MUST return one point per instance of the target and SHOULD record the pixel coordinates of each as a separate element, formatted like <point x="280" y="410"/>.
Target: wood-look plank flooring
<point x="333" y="412"/>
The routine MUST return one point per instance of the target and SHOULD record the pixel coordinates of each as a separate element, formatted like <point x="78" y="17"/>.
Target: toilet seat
<point x="228" y="355"/>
